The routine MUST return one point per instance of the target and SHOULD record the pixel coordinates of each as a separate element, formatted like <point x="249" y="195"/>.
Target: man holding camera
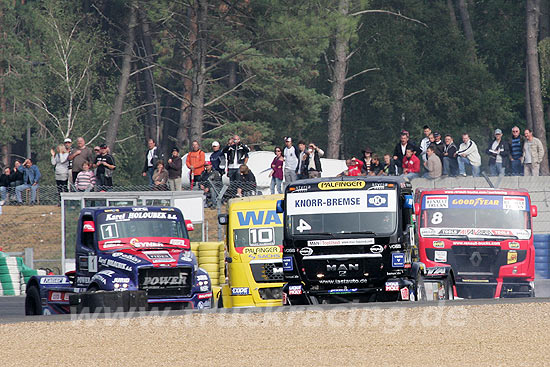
<point x="31" y="177"/>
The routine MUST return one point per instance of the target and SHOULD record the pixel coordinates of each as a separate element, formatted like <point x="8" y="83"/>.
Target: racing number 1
<point x="303" y="226"/>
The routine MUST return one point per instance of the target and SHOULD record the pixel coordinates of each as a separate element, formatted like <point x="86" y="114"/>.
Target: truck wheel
<point x="220" y="301"/>
<point x="449" y="289"/>
<point x="420" y="289"/>
<point x="33" y="304"/>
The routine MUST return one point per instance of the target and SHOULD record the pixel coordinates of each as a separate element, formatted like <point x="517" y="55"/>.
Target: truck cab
<point x="253" y="253"/>
<point x="351" y="239"/>
<point x="124" y="249"/>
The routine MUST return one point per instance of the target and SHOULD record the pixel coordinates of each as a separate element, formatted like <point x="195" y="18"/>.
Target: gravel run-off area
<point x="489" y="335"/>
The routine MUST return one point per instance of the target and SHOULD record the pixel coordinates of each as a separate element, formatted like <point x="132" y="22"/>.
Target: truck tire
<point x="33" y="304"/>
<point x="449" y="289"/>
<point x="419" y="288"/>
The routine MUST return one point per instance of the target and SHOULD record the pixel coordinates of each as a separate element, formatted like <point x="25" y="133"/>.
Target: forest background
<point x="345" y="74"/>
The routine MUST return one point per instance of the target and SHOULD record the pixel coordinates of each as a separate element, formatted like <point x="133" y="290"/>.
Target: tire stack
<point x="26" y="274"/>
<point x="10" y="277"/>
<point x="222" y="264"/>
<point x="209" y="260"/>
<point x="195" y="249"/>
<point x="542" y="256"/>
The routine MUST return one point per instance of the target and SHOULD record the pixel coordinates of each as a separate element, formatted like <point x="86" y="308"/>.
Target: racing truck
<point x="484" y="235"/>
<point x="123" y="249"/>
<point x="254" y="242"/>
<point x="352" y="239"/>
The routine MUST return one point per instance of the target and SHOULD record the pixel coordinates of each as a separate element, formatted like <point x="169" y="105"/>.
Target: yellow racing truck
<point x="253" y="246"/>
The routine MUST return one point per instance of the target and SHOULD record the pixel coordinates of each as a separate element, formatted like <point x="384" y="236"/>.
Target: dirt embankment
<point x="507" y="334"/>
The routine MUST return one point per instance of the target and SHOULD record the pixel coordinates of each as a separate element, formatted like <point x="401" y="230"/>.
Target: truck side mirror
<point x="223" y="219"/>
<point x="534" y="211"/>
<point x="189" y="225"/>
<point x="88" y="226"/>
<point x="280" y="206"/>
<point x="417" y="209"/>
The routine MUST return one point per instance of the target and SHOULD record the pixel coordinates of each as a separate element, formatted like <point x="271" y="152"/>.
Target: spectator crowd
<point x="81" y="168"/>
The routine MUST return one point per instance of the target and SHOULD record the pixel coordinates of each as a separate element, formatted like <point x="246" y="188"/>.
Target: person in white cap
<point x="291" y="154"/>
<point x="217" y="158"/>
<point x="498" y="153"/>
<point x="68" y="143"/>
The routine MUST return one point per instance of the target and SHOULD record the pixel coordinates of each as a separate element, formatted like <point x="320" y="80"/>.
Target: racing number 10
<point x="261" y="236"/>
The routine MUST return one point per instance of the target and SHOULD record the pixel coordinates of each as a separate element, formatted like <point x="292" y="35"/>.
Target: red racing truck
<point x="484" y="235"/>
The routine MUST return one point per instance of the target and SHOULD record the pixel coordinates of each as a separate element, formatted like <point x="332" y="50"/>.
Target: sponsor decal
<point x="377" y="200"/>
<point x="343" y="281"/>
<point x="159" y="256"/>
<point x="288" y="265"/>
<point x="164" y="281"/>
<point x="343" y="242"/>
<point x="88" y="226"/>
<point x="396" y="272"/>
<point x="513" y="203"/>
<point x="140" y="215"/>
<point x="336" y="202"/>
<point x="392" y="286"/>
<point x="340" y="185"/>
<point x="204" y="295"/>
<point x="513" y="245"/>
<point x="376" y="249"/>
<point x="203" y="288"/>
<point x="306" y="251"/>
<point x="121" y="280"/>
<point x="295" y="290"/>
<point x="301" y="188"/>
<point x="440" y="256"/>
<point x="398" y="260"/>
<point x="82" y="280"/>
<point x="240" y="291"/>
<point x="130" y="258"/>
<point x="202" y="277"/>
<point x="512" y="257"/>
<point x="140" y="209"/>
<point x="470" y="201"/>
<point x="259" y="217"/>
<point x="436" y="202"/>
<point x="99" y="278"/>
<point x="262" y="250"/>
<point x="351" y="290"/>
<point x="54" y="296"/>
<point x="114" y="264"/>
<point x="54" y="280"/>
<point x="439" y="244"/>
<point x="395" y="246"/>
<point x="405" y="294"/>
<point x="436" y="271"/>
<point x="285" y="298"/>
<point x="177" y="242"/>
<point x="476" y="243"/>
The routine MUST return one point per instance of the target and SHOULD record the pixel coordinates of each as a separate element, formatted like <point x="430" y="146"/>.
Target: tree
<point x="535" y="94"/>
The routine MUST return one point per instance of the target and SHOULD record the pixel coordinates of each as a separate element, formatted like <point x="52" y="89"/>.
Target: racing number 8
<point x="437" y="218"/>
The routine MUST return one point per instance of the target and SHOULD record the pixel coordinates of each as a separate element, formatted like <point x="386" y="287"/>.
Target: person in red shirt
<point x="354" y="168"/>
<point x="411" y="165"/>
<point x="195" y="161"/>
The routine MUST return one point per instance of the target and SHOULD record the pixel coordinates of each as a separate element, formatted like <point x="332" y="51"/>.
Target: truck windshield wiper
<point x="358" y="232"/>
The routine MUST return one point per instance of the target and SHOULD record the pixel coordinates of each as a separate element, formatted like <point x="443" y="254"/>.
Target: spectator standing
<point x="291" y="154"/>
<point x="533" y="154"/>
<point x="79" y="155"/>
<point x="401" y="149"/>
<point x="468" y="155"/>
<point x="438" y="145"/>
<point x="367" y="160"/>
<point x="246" y="181"/>
<point x="68" y="143"/>
<point x="217" y="158"/>
<point x="355" y="167"/>
<point x="85" y="181"/>
<point x="195" y="161"/>
<point x="174" y="170"/>
<point x="236" y="154"/>
<point x="301" y="170"/>
<point x="105" y="165"/>
<point x="390" y="167"/>
<point x="4" y="184"/>
<point x="376" y="166"/>
<point x="276" y="173"/>
<point x="411" y="165"/>
<point x="313" y="160"/>
<point x="31" y="177"/>
<point x="433" y="164"/>
<point x="152" y="156"/>
<point x="450" y="164"/>
<point x="60" y="161"/>
<point x="160" y="177"/>
<point x="515" y="144"/>
<point x="425" y="143"/>
<point x="498" y="153"/>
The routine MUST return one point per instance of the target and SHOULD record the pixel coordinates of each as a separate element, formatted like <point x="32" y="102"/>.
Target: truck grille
<point x="267" y="272"/>
<point x="477" y="259"/>
<point x="165" y="282"/>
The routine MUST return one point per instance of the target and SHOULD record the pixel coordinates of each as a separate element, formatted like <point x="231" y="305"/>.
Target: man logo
<point x="377" y="200"/>
<point x="376" y="249"/>
<point x="306" y="251"/>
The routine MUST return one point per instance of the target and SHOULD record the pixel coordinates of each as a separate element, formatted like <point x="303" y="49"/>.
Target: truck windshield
<point x="371" y="212"/>
<point x="495" y="215"/>
<point x="150" y="225"/>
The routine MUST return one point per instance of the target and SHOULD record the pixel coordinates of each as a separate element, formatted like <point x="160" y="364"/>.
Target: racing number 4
<point x="303" y="226"/>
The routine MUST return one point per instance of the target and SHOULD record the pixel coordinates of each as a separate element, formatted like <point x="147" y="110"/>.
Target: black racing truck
<point x="352" y="239"/>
